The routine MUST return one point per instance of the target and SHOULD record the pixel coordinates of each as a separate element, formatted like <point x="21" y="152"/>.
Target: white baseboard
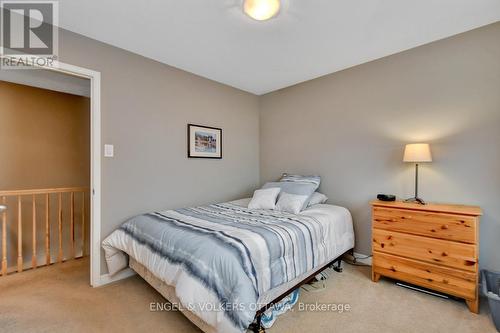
<point x="107" y="279"/>
<point x="367" y="261"/>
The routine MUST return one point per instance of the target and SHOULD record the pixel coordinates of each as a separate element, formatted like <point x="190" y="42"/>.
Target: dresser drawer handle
<point x="469" y="263"/>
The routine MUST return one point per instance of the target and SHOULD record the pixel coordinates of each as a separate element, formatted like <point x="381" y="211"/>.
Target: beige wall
<point x="145" y="107"/>
<point x="350" y="127"/>
<point x="44" y="143"/>
<point x="45" y="138"/>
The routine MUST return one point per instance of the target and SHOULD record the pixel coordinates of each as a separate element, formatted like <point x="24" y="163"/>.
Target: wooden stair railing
<point x="81" y="193"/>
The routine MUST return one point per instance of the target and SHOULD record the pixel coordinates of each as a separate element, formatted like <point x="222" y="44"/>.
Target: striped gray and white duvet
<point x="236" y="254"/>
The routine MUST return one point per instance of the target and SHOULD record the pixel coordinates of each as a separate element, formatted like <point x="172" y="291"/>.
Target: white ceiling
<point x="50" y="80"/>
<point x="310" y="38"/>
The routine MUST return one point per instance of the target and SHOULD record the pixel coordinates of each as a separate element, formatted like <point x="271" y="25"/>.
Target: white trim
<point x="95" y="161"/>
<point x="106" y="278"/>
<point x="367" y="261"/>
<point x="95" y="238"/>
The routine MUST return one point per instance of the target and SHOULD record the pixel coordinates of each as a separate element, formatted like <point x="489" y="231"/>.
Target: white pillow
<point x="291" y="203"/>
<point x="317" y="198"/>
<point x="297" y="188"/>
<point x="264" y="199"/>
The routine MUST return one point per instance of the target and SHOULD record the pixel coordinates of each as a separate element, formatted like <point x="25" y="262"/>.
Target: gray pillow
<point x="301" y="179"/>
<point x="296" y="188"/>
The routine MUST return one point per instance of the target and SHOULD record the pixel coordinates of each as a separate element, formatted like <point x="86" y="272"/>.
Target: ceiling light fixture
<point x="261" y="10"/>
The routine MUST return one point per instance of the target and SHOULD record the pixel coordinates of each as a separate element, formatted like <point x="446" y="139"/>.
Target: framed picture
<point x="204" y="142"/>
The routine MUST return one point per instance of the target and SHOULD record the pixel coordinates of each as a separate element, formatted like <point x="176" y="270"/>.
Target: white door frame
<point x="96" y="279"/>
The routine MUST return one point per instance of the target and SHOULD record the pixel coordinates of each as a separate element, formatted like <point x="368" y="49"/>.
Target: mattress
<point x="168" y="292"/>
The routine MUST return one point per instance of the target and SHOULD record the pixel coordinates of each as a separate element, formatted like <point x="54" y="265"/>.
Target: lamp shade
<point x="417" y="152"/>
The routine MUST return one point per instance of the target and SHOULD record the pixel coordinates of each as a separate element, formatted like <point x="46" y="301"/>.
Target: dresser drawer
<point x="447" y="280"/>
<point x="451" y="254"/>
<point x="458" y="228"/>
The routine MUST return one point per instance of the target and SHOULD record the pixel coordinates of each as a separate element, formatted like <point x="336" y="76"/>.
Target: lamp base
<point x="416" y="200"/>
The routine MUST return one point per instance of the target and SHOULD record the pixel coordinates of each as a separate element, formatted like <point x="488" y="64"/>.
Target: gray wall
<point x="145" y="109"/>
<point x="351" y="127"/>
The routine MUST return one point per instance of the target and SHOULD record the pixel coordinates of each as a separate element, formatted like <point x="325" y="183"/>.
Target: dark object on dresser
<point x="386" y="197"/>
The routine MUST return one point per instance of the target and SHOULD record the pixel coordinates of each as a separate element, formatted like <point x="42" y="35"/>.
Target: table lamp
<point x="417" y="153"/>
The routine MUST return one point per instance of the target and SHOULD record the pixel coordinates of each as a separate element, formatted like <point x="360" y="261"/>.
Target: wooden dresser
<point x="433" y="246"/>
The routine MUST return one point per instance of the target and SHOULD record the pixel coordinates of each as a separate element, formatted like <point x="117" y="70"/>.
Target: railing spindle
<point x="4" y="238"/>
<point x="83" y="224"/>
<point x="47" y="230"/>
<point x="60" y="255"/>
<point x="33" y="255"/>
<point x="19" y="235"/>
<point x="35" y="195"/>
<point x="72" y="226"/>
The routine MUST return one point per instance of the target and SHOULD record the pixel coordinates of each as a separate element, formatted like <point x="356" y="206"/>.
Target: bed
<point x="224" y="264"/>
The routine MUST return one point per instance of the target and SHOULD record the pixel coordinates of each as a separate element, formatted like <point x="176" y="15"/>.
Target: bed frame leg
<point x="337" y="266"/>
<point x="256" y="326"/>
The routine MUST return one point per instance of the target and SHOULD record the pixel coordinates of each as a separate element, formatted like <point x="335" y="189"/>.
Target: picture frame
<point x="204" y="141"/>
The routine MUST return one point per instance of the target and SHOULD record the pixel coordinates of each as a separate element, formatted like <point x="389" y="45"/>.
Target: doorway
<point x="61" y="221"/>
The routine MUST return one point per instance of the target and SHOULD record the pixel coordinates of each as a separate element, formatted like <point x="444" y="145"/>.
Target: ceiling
<point x="310" y="38"/>
<point x="50" y="80"/>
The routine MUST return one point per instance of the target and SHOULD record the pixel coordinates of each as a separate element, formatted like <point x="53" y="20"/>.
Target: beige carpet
<point x="59" y="299"/>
